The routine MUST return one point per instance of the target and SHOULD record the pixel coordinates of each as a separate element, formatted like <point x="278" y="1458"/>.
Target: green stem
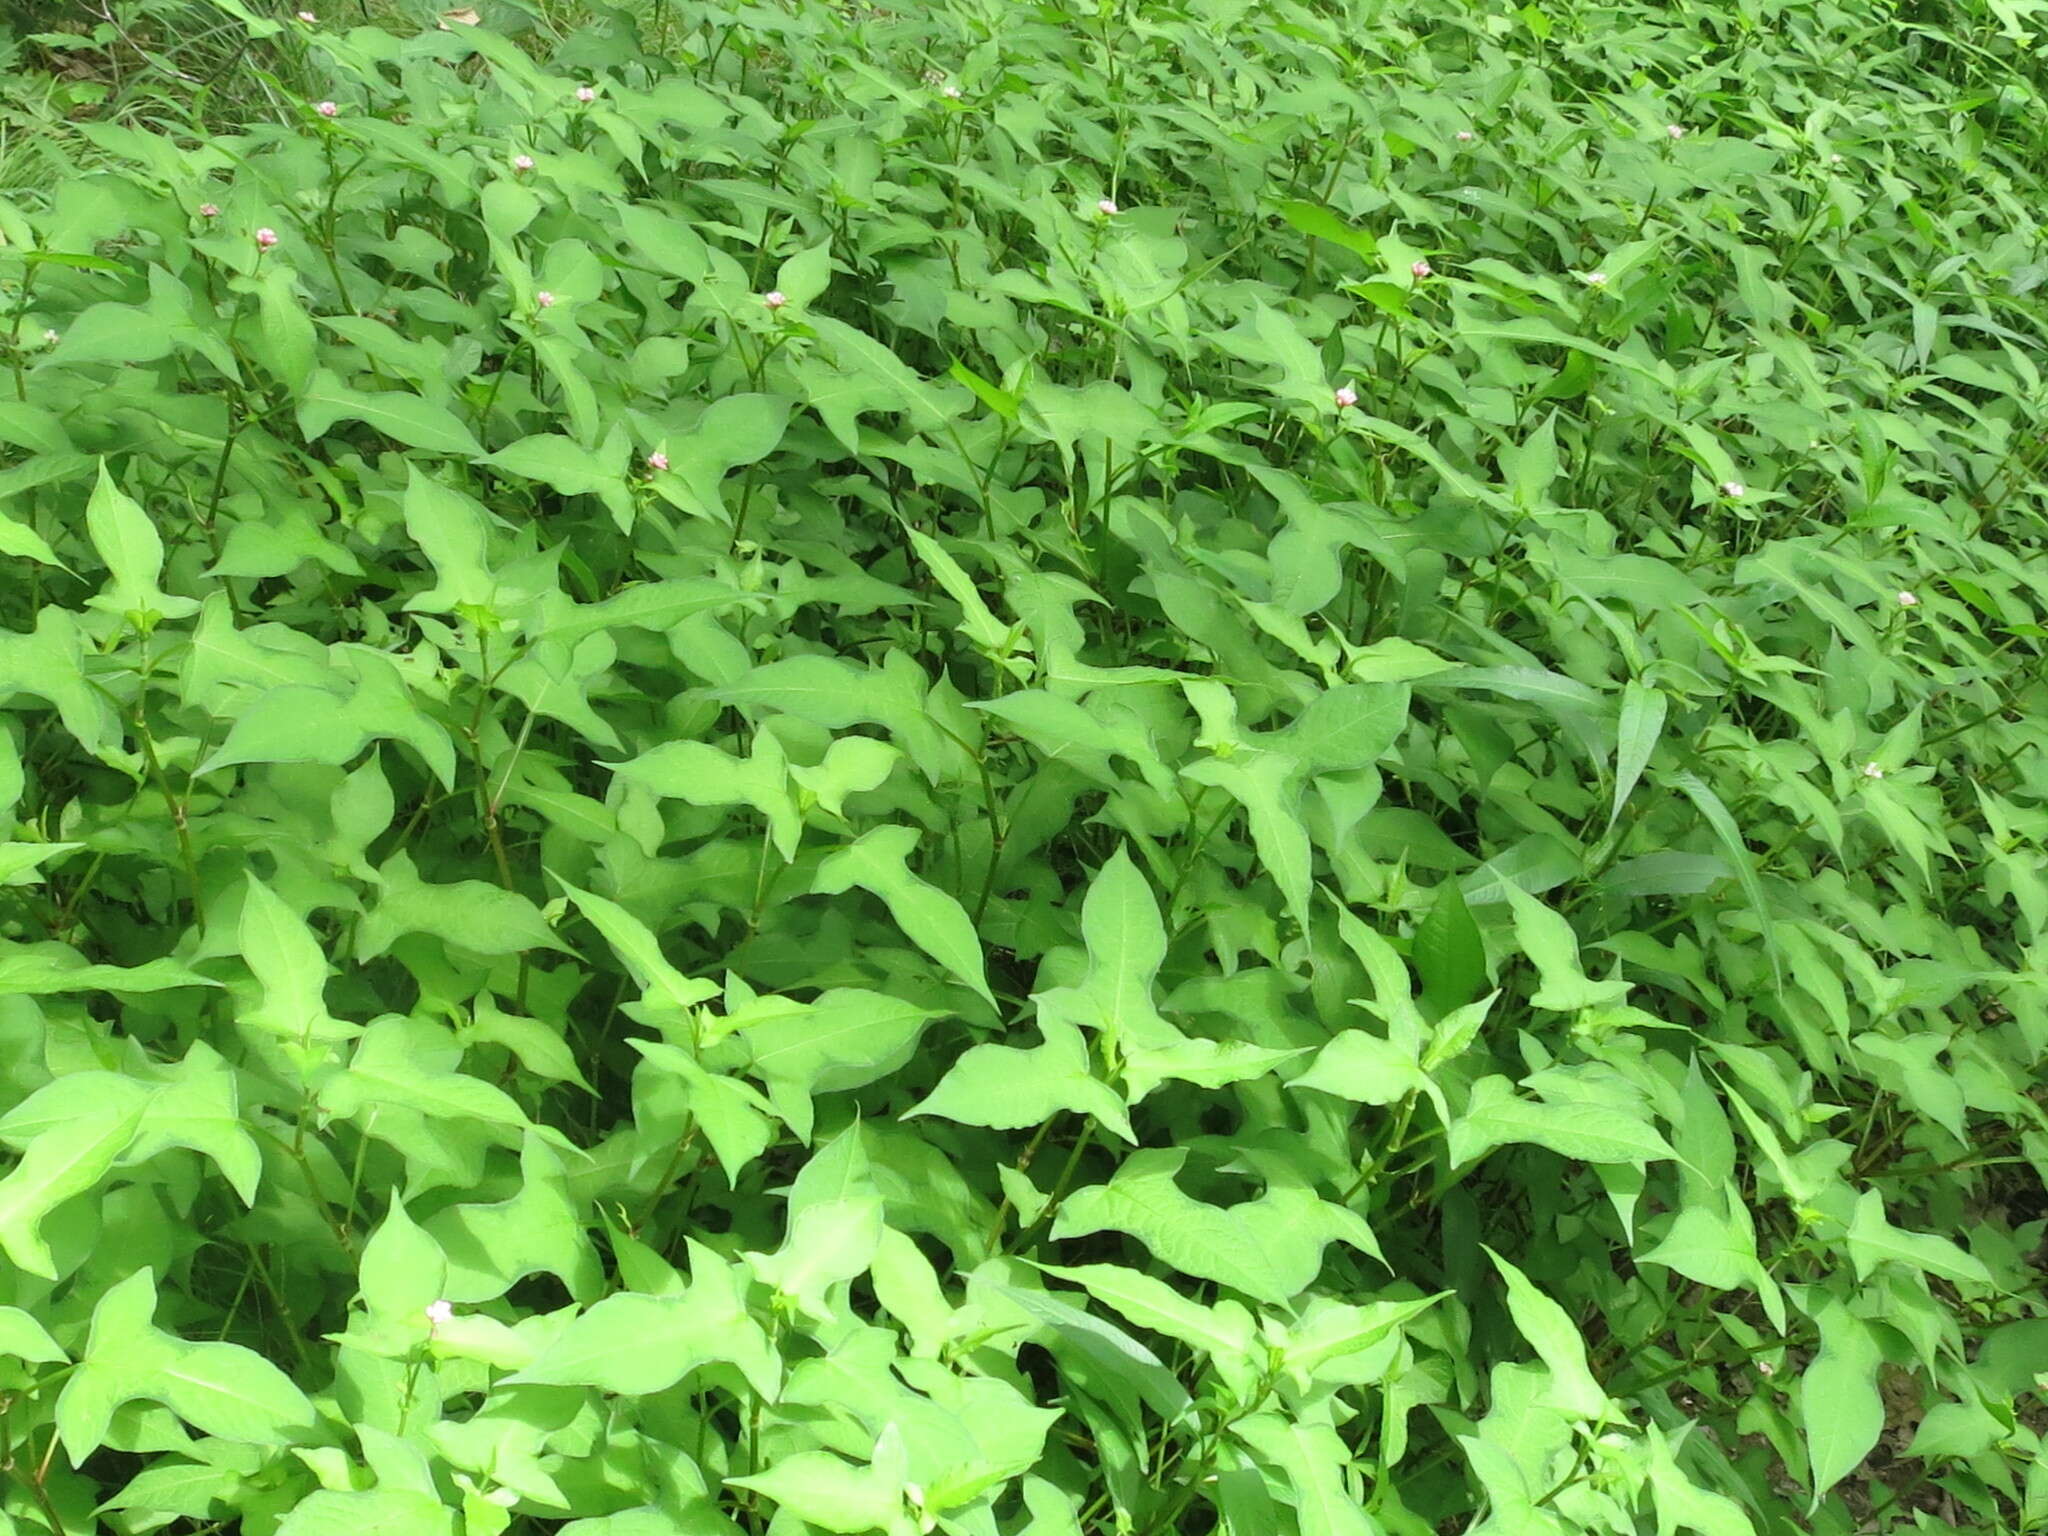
<point x="1059" y="1189"/>
<point x="1396" y="1144"/>
<point x="995" y="1231"/>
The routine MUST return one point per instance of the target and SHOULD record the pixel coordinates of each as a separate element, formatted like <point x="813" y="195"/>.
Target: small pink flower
<point x="266" y="237"/>
<point x="1465" y="135"/>
<point x="209" y="210"/>
<point x="522" y="163"/>
<point x="1107" y="207"/>
<point x="544" y="299"/>
<point x="439" y="1312"/>
<point x="585" y="94"/>
<point x="657" y="460"/>
<point x="775" y="298"/>
<point x="1345" y="396"/>
<point x="1676" y="130"/>
<point x="1909" y="600"/>
<point x="1732" y="489"/>
<point x="327" y="109"/>
<point x="1420" y="270"/>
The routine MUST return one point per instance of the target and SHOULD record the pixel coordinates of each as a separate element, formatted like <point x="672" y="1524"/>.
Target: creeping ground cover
<point x="1024" y="769"/>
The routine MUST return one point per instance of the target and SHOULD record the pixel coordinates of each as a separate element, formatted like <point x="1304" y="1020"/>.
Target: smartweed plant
<point x="1133" y="768"/>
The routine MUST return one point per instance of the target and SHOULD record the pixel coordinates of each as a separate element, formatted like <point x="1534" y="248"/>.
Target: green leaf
<point x="664" y="991"/>
<point x="1207" y="1063"/>
<point x="1281" y="342"/>
<point x="1873" y="1241"/>
<point x="824" y="1491"/>
<point x="633" y="1345"/>
<point x="289" y="968"/>
<point x="1531" y="465"/>
<point x="1126" y="943"/>
<point x="735" y="1118"/>
<point x="1641" y="722"/>
<point x="386" y="1071"/>
<point x="1001" y="401"/>
<point x="53" y="970"/>
<point x="1314" y="1458"/>
<point x="820" y="689"/>
<point x="122" y="1352"/>
<point x="700" y="773"/>
<point x="292" y="723"/>
<point x="1593" y="1133"/>
<point x="453" y="532"/>
<point x="1102" y="1355"/>
<point x="63" y="1162"/>
<point x="398" y="414"/>
<point x="1550" y="1331"/>
<point x="199" y="1108"/>
<point x="557" y="461"/>
<point x="1270" y="1248"/>
<point x="1717" y="817"/>
<point x="285" y="337"/>
<point x="1839" y="1406"/>
<point x="373" y="1512"/>
<point x="804" y="277"/>
<point x="878" y="862"/>
<point x="655" y="605"/>
<point x="113" y="333"/>
<point x="1223" y="1330"/>
<point x="539" y="1048"/>
<point x="231" y="1393"/>
<point x="1009" y="1087"/>
<point x="830" y="1241"/>
<point x="847" y="1039"/>
<point x="22" y="542"/>
<point x="1396" y="660"/>
<point x="402" y="1270"/>
<point x="471" y="914"/>
<point x="1348" y="727"/>
<point x="1315" y="220"/>
<point x="179" y="1488"/>
<point x="127" y="542"/>
<point x="1267" y="787"/>
<point x="1548" y="940"/>
<point x="1362" y="1068"/>
<point x="22" y="1337"/>
<point x="1448" y="952"/>
<point x="734" y="430"/>
<point x="1705" y="1245"/>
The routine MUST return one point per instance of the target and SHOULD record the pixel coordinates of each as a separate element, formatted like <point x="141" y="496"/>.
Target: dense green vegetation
<point x="1268" y="768"/>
